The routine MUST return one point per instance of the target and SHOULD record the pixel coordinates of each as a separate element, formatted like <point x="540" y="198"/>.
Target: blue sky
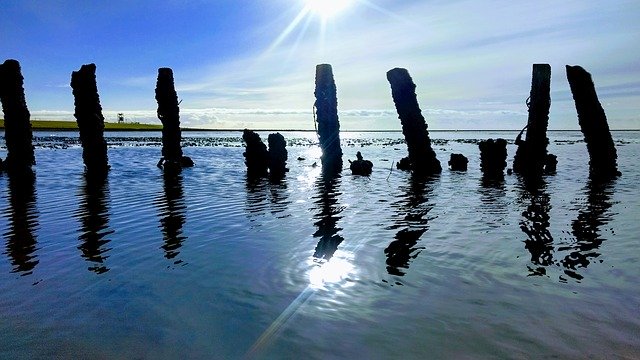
<point x="252" y="64"/>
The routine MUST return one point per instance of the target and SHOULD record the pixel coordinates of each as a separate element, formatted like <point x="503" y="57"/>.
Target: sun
<point x="327" y="8"/>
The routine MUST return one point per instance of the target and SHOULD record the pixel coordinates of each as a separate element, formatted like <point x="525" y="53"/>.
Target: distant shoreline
<point x="54" y="125"/>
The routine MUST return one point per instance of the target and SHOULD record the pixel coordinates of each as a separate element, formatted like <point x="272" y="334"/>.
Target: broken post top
<point x="593" y="123"/>
<point x="20" y="155"/>
<point x="422" y="158"/>
<point x="327" y="115"/>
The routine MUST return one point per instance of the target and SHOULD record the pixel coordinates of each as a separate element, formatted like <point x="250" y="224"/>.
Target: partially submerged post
<point x="16" y="118"/>
<point x="277" y="155"/>
<point x="256" y="156"/>
<point x="327" y="114"/>
<point x="169" y="115"/>
<point x="593" y="123"/>
<point x="361" y="166"/>
<point x="90" y="119"/>
<point x="531" y="155"/>
<point x="458" y="162"/>
<point x="493" y="157"/>
<point x="422" y="159"/>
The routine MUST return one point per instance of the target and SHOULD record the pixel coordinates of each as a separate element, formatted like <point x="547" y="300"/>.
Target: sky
<point x="251" y="64"/>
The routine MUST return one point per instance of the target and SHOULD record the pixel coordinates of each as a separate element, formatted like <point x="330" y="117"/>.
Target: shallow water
<point x="208" y="264"/>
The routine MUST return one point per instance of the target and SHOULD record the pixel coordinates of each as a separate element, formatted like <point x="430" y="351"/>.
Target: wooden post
<point x="90" y="119"/>
<point x="493" y="157"/>
<point x="593" y="123"/>
<point x="277" y="155"/>
<point x="531" y="154"/>
<point x="422" y="159"/>
<point x="17" y="123"/>
<point x="169" y="115"/>
<point x="256" y="157"/>
<point x="327" y="114"/>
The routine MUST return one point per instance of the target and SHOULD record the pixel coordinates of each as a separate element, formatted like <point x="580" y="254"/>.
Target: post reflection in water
<point x="492" y="193"/>
<point x="94" y="220"/>
<point x="412" y="221"/>
<point x="172" y="213"/>
<point x="261" y="189"/>
<point x="327" y="219"/>
<point x="586" y="228"/>
<point x="23" y="222"/>
<point x="535" y="224"/>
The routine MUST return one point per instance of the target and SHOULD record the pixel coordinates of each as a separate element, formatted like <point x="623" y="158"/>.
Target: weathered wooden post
<point x="422" y="159"/>
<point x="458" y="162"/>
<point x="531" y="155"/>
<point x="493" y="157"/>
<point x="327" y="114"/>
<point x="90" y="119"/>
<point x="277" y="155"/>
<point x="169" y="115"/>
<point x="256" y="156"/>
<point x="593" y="123"/>
<point x="17" y="123"/>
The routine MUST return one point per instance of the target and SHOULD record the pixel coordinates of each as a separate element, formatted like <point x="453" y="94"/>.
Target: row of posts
<point x="531" y="156"/>
<point x="89" y="117"/>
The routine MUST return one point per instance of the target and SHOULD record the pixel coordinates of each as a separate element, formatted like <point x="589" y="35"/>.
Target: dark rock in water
<point x="550" y="163"/>
<point x="458" y="162"/>
<point x="169" y="115"/>
<point x="300" y="158"/>
<point x="89" y="118"/>
<point x="532" y="152"/>
<point x="277" y="154"/>
<point x="17" y="123"/>
<point x="493" y="156"/>
<point x="404" y="164"/>
<point x="422" y="158"/>
<point x="593" y="123"/>
<point x="361" y="166"/>
<point x="256" y="156"/>
<point x="327" y="113"/>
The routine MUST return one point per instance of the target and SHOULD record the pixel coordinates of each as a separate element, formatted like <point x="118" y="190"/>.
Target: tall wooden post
<point x="531" y="154"/>
<point x="17" y="123"/>
<point x="89" y="118"/>
<point x="422" y="158"/>
<point x="169" y="115"/>
<point x="327" y="114"/>
<point x="593" y="122"/>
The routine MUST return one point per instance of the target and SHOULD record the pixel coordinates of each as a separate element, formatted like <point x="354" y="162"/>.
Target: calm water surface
<point x="208" y="264"/>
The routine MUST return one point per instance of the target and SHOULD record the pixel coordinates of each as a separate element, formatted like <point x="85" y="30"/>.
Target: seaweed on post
<point x="326" y="106"/>
<point x="20" y="155"/>
<point x="593" y="123"/>
<point x="88" y="114"/>
<point x="169" y="115"/>
<point x="422" y="159"/>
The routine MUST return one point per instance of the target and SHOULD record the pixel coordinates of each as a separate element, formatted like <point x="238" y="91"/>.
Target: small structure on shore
<point x="326" y="106"/>
<point x="422" y="159"/>
<point x="360" y="166"/>
<point x="169" y="115"/>
<point x="593" y="123"/>
<point x="89" y="118"/>
<point x="458" y="162"/>
<point x="531" y="156"/>
<point x="18" y="136"/>
<point x="493" y="157"/>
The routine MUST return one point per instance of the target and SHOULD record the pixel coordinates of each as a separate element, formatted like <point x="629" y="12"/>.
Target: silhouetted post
<point x="327" y="114"/>
<point x="361" y="166"/>
<point x="422" y="159"/>
<point x="277" y="155"/>
<point x="169" y="115"/>
<point x="256" y="156"/>
<point x="593" y="123"/>
<point x="458" y="162"/>
<point x="16" y="118"/>
<point x="531" y="154"/>
<point x="493" y="156"/>
<point x="89" y="118"/>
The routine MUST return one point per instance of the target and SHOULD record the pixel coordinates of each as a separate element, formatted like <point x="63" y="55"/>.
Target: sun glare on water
<point x="327" y="8"/>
